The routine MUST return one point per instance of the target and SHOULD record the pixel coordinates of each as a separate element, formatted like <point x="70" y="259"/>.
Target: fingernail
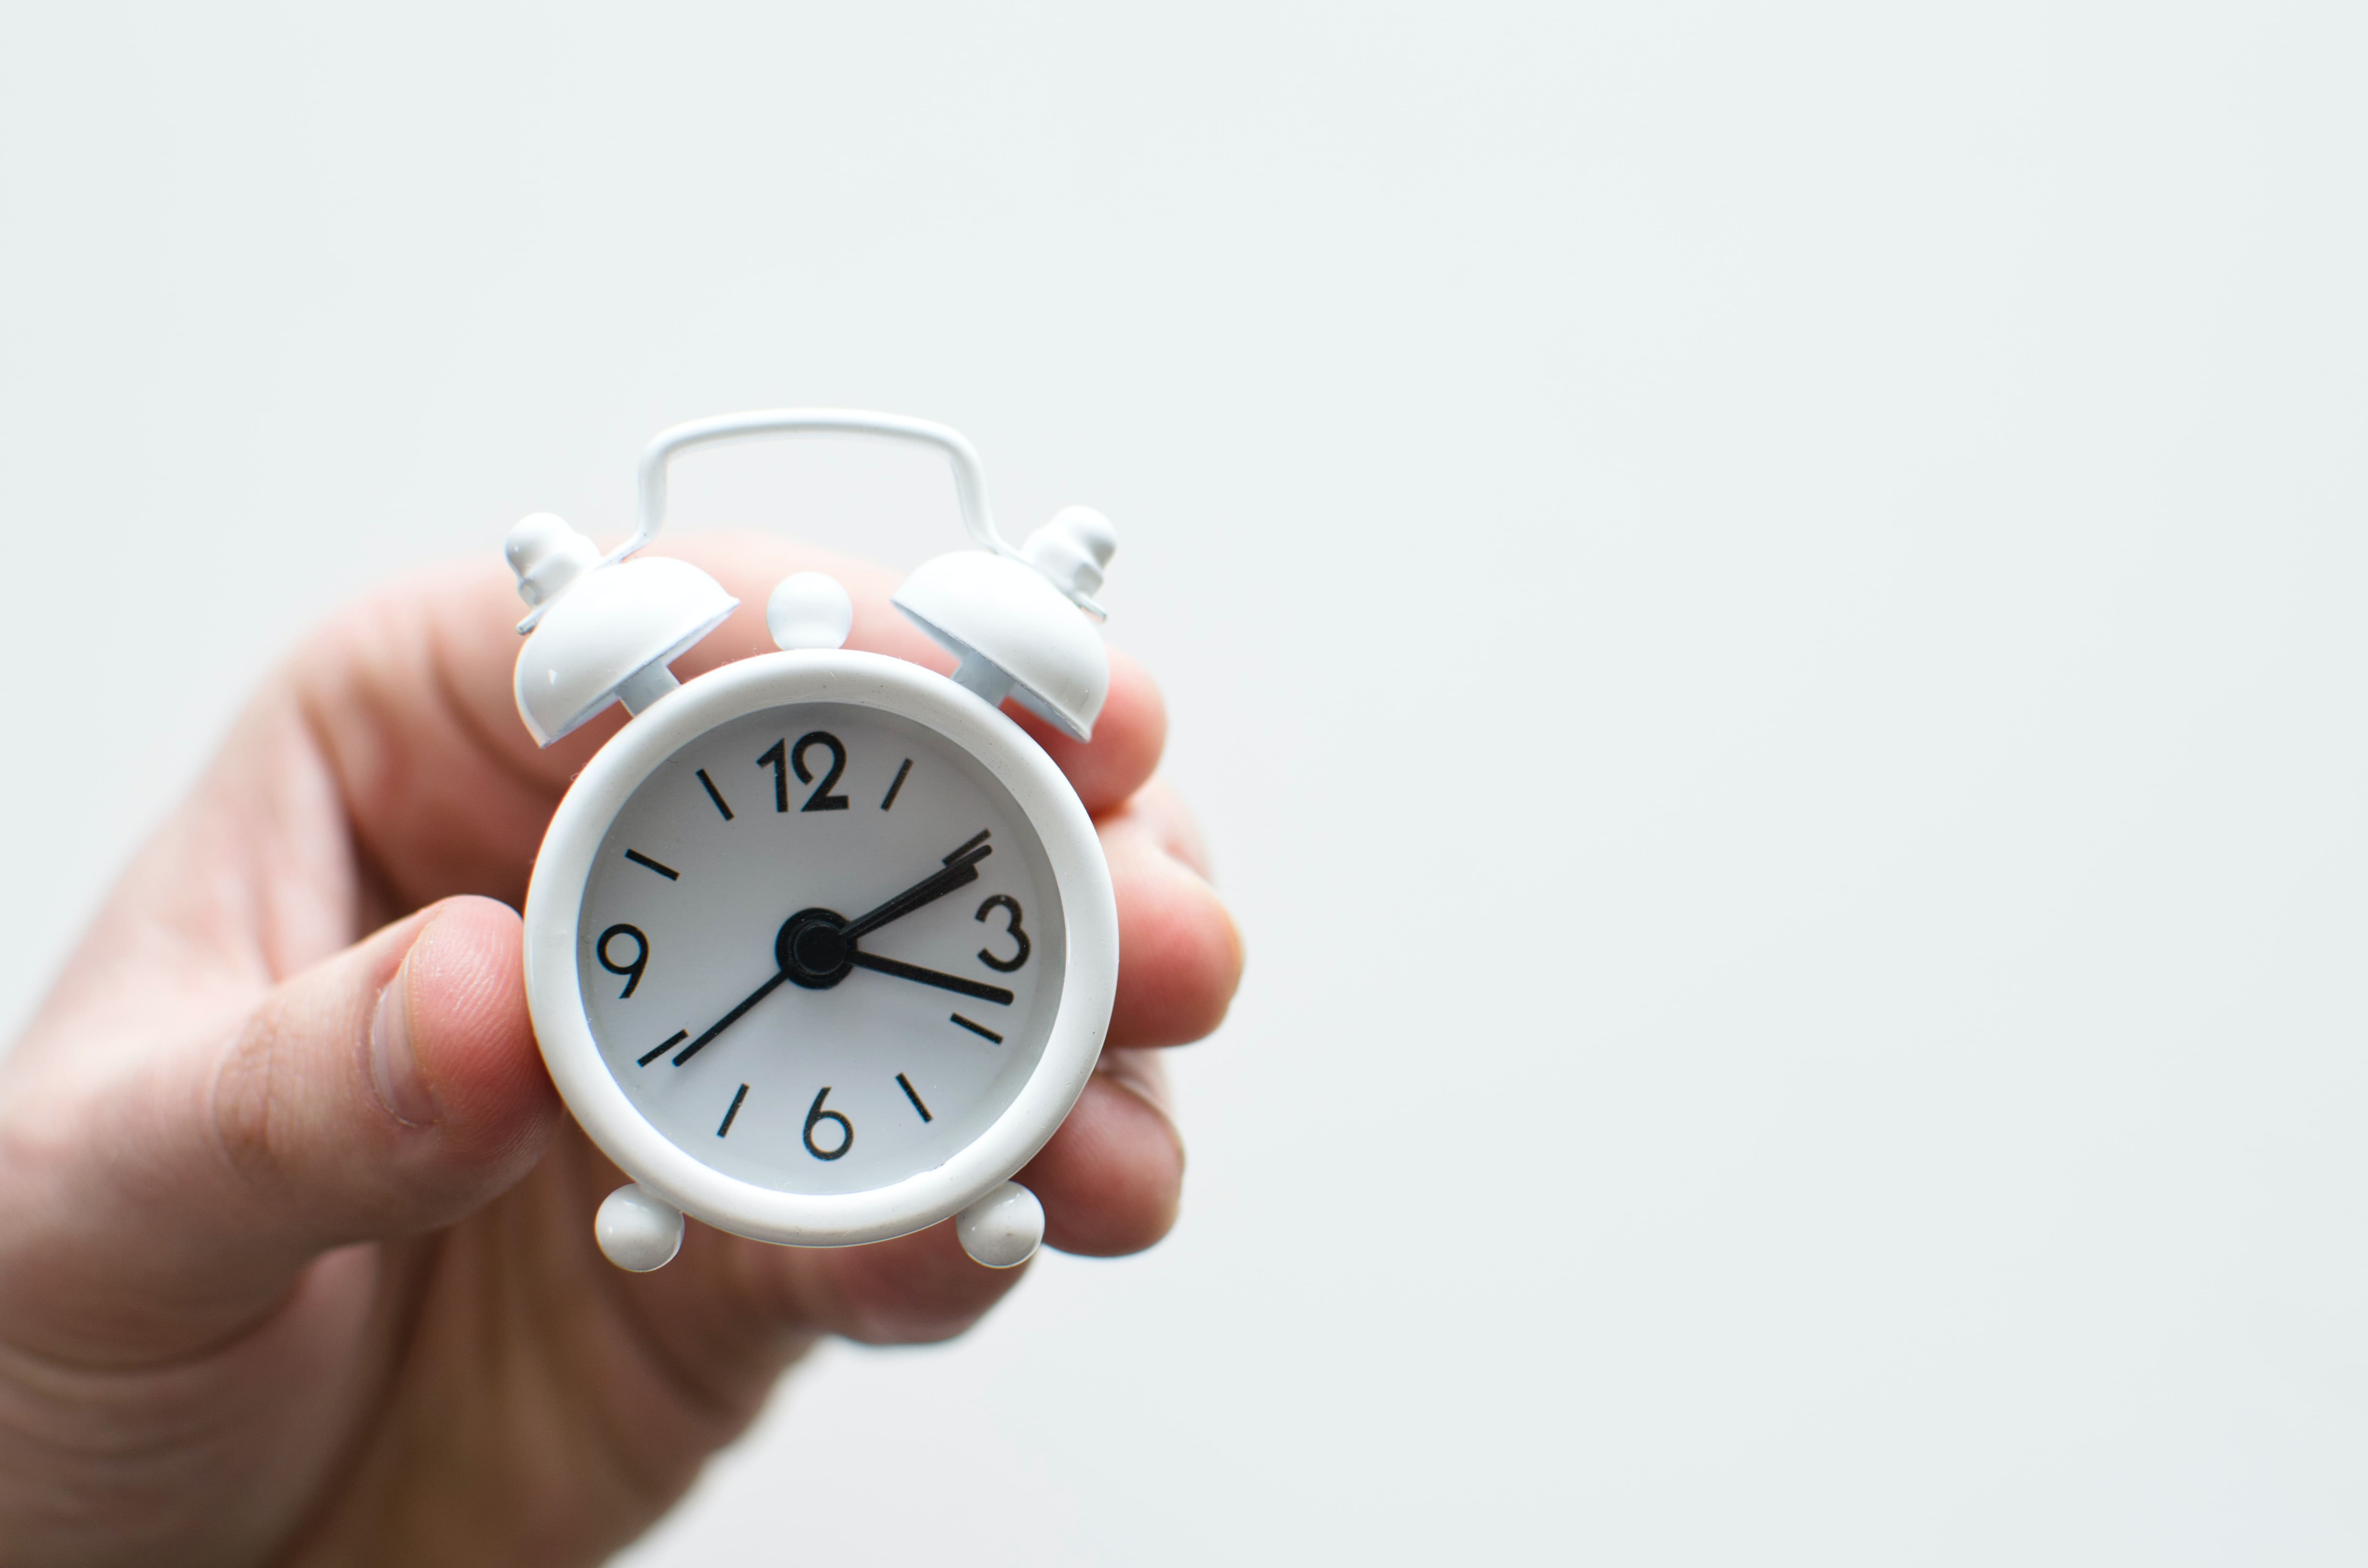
<point x="395" y="1066"/>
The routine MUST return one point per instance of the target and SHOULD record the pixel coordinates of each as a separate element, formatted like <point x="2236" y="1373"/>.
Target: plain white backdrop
<point x="1761" y="606"/>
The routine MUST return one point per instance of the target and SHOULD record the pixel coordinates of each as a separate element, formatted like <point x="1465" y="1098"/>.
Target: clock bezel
<point x="1081" y="879"/>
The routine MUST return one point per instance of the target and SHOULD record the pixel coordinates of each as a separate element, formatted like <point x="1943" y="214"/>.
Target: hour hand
<point x="954" y="983"/>
<point x="961" y="867"/>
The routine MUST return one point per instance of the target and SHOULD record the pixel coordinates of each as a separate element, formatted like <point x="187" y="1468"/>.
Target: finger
<point x="1180" y="953"/>
<point x="913" y="1289"/>
<point x="1112" y="1176"/>
<point x="1127" y="741"/>
<point x="410" y="695"/>
<point x="916" y="1290"/>
<point x="1160" y="815"/>
<point x="383" y="1091"/>
<point x="1128" y="734"/>
<point x="1110" y="1181"/>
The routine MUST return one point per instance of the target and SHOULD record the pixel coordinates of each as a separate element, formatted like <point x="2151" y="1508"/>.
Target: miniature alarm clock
<point x="820" y="948"/>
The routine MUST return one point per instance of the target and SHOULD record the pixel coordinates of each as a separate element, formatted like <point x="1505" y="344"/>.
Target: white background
<point x="1762" y="604"/>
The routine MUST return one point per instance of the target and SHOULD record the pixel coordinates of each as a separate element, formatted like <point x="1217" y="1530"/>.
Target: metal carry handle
<point x="970" y="481"/>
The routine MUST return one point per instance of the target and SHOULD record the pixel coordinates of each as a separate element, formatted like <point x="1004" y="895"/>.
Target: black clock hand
<point x="730" y="1018"/>
<point x="961" y="867"/>
<point x="995" y="993"/>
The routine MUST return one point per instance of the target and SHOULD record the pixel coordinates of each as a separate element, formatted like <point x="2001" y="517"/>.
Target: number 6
<point x="846" y="1129"/>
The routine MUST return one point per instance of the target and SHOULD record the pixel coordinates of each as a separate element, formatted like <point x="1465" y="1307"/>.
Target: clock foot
<point x="638" y="1228"/>
<point x="1002" y="1229"/>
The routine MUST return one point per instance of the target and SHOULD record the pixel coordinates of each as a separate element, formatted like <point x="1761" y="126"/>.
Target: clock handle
<point x="970" y="479"/>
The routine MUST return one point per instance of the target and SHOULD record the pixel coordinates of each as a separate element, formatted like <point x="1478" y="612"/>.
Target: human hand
<point x="296" y="1256"/>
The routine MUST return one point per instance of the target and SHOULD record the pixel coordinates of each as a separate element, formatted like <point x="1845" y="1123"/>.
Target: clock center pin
<point x="812" y="949"/>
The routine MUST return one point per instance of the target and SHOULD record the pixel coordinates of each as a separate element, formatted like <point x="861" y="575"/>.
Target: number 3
<point x="1011" y="930"/>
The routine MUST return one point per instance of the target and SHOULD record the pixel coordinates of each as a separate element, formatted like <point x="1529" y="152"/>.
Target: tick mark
<point x="890" y="798"/>
<point x="732" y="1112"/>
<point x="638" y="858"/>
<point x="672" y="1041"/>
<point x="969" y="843"/>
<point x="906" y="1084"/>
<point x="979" y="1030"/>
<point x="714" y="795"/>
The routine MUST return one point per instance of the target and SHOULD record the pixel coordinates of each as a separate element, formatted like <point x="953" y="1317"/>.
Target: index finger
<point x="410" y="698"/>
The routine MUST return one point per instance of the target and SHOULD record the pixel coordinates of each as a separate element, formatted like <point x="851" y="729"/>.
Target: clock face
<point x="820" y="948"/>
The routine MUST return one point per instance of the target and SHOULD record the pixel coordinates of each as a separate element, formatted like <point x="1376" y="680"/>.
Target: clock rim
<point x="555" y="902"/>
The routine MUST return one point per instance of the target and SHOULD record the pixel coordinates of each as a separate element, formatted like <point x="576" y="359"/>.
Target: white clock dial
<point x="820" y="948"/>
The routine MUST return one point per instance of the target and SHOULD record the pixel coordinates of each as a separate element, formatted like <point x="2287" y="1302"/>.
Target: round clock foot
<point x="638" y="1228"/>
<point x="1002" y="1229"/>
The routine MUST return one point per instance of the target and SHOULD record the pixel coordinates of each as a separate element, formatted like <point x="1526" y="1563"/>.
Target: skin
<point x="250" y="1314"/>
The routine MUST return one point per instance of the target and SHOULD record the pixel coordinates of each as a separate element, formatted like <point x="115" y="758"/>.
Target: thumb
<point x="389" y="1089"/>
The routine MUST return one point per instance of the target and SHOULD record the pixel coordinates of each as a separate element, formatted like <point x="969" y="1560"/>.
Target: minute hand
<point x="962" y="869"/>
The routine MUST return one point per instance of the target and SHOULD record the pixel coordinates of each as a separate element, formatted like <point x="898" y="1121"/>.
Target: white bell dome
<point x="607" y="627"/>
<point x="1014" y="632"/>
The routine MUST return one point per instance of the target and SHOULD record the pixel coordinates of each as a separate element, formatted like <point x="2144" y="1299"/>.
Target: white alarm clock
<point x="821" y="947"/>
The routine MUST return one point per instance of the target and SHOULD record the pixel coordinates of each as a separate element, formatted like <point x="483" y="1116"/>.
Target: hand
<point x="296" y="1260"/>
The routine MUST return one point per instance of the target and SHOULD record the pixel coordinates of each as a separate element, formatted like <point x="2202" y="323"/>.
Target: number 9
<point x="631" y="972"/>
